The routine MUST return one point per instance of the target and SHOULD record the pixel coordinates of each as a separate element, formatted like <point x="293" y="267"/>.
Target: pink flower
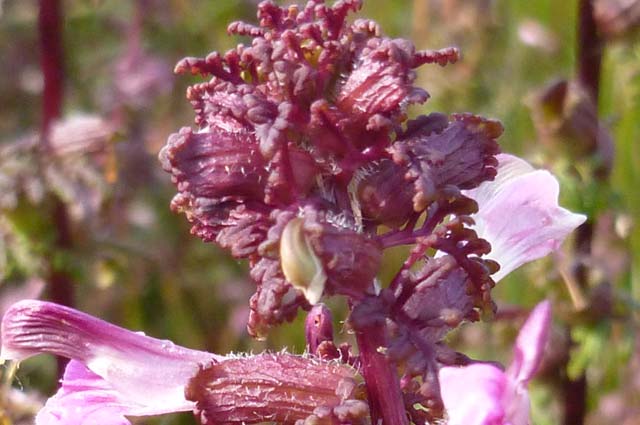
<point x="116" y="373"/>
<point x="126" y="373"/>
<point x="519" y="214"/>
<point x="482" y="394"/>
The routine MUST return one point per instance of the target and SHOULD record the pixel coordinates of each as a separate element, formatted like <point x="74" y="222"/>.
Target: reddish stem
<point x="589" y="50"/>
<point x="50" y="29"/>
<point x="383" y="385"/>
<point x="589" y="61"/>
<point x="51" y="53"/>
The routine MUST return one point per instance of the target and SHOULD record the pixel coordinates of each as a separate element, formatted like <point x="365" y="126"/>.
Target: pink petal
<point x="519" y="214"/>
<point x="481" y="394"/>
<point x="530" y="344"/>
<point x="473" y="395"/>
<point x="517" y="405"/>
<point x="85" y="398"/>
<point x="148" y="373"/>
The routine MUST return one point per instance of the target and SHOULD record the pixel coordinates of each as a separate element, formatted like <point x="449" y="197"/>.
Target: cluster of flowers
<point x="305" y="163"/>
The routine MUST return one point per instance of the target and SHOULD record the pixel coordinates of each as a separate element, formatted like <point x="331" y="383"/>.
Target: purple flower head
<point x="301" y="138"/>
<point x="482" y="394"/>
<point x="116" y="373"/>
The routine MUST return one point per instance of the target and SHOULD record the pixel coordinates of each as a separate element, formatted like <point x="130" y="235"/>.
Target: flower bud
<point x="349" y="259"/>
<point x="381" y="81"/>
<point x="318" y="256"/>
<point x="318" y="327"/>
<point x="215" y="165"/>
<point x="300" y="265"/>
<point x="566" y="118"/>
<point x="275" y="300"/>
<point x="383" y="193"/>
<point x="221" y="180"/>
<point x="442" y="298"/>
<point x="280" y="388"/>
<point x="456" y="154"/>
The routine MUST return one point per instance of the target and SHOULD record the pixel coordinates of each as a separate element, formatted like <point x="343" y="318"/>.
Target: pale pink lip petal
<point x="473" y="394"/>
<point x="509" y="167"/>
<point x="144" y="371"/>
<point x="519" y="214"/>
<point x="85" y="398"/>
<point x="530" y="344"/>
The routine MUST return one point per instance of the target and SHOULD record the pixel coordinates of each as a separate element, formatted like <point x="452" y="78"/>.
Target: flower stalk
<point x="386" y="402"/>
<point x="52" y="62"/>
<point x="51" y="57"/>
